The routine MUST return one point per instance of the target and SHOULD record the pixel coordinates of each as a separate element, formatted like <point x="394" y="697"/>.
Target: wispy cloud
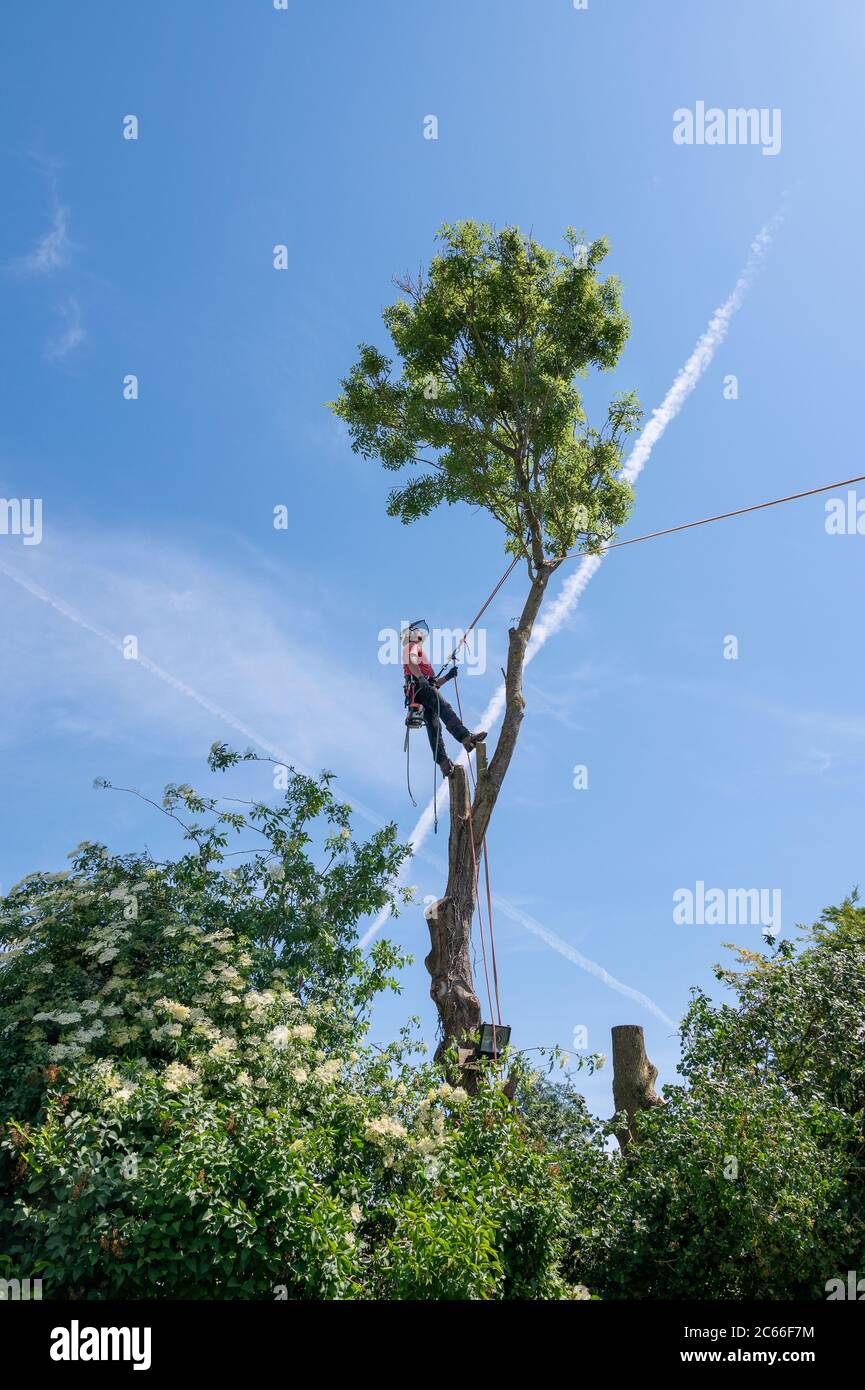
<point x="228" y="643"/>
<point x="70" y="333"/>
<point x="52" y="253"/>
<point x="560" y="609"/>
<point x="564" y="948"/>
<point x="846" y="732"/>
<point x="560" y="698"/>
<point x="53" y="249"/>
<point x="815" y="762"/>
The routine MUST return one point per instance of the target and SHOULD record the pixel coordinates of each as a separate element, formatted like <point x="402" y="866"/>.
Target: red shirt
<point x="415" y="663"/>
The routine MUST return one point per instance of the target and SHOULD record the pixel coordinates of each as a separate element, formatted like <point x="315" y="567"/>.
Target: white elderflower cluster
<point x="429" y="1144"/>
<point x="181" y="1012"/>
<point x="104" y="1071"/>
<point x="284" y="1033"/>
<point x="176" y="1076"/>
<point x="114" y="982"/>
<point x="328" y="1072"/>
<point x="104" y="944"/>
<point x="86" y="1035"/>
<point x="228" y="974"/>
<point x="258" y="1003"/>
<point x="451" y="1095"/>
<point x="128" y="1034"/>
<point x="385" y="1130"/>
<point x="303" y="1032"/>
<point x="60" y="1052"/>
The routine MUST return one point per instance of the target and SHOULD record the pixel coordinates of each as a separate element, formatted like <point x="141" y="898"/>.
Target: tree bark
<point x="450" y="925"/>
<point x="634" y="1079"/>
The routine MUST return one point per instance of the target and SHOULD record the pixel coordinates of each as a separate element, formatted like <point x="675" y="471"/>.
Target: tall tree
<point x="490" y="341"/>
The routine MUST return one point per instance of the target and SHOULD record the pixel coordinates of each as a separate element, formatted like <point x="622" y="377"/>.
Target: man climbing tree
<point x="490" y="340"/>
<point x="422" y="687"/>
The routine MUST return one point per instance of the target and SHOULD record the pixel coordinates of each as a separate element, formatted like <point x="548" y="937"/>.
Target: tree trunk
<point x="450" y="926"/>
<point x="634" y="1078"/>
<point x="450" y="923"/>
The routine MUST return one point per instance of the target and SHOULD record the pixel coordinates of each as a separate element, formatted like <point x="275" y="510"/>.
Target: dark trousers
<point x="436" y="712"/>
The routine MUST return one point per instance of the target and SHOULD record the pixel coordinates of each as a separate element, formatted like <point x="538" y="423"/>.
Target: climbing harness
<point x="415" y="719"/>
<point x="414" y="711"/>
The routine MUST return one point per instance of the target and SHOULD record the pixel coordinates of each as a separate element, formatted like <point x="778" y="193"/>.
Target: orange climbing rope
<point x="480" y="916"/>
<point x="498" y="1010"/>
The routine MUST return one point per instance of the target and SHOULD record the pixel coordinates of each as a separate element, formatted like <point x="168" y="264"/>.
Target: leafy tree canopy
<point x="490" y="341"/>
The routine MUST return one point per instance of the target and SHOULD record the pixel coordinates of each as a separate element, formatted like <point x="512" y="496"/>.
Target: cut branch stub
<point x="634" y="1078"/>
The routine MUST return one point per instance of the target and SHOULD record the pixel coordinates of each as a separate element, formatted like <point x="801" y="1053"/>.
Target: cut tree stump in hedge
<point x="634" y="1079"/>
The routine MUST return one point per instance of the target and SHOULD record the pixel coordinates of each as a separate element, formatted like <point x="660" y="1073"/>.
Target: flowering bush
<point x="191" y="1107"/>
<point x="257" y="1163"/>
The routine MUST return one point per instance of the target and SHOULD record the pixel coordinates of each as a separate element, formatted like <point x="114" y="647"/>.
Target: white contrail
<point x="571" y="953"/>
<point x="182" y="687"/>
<point x="557" y="613"/>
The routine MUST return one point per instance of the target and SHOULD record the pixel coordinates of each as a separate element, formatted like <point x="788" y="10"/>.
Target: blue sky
<point x="154" y="257"/>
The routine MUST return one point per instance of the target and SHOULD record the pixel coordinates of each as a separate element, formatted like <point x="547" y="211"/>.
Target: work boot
<point x="446" y="767"/>
<point x="471" y="741"/>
